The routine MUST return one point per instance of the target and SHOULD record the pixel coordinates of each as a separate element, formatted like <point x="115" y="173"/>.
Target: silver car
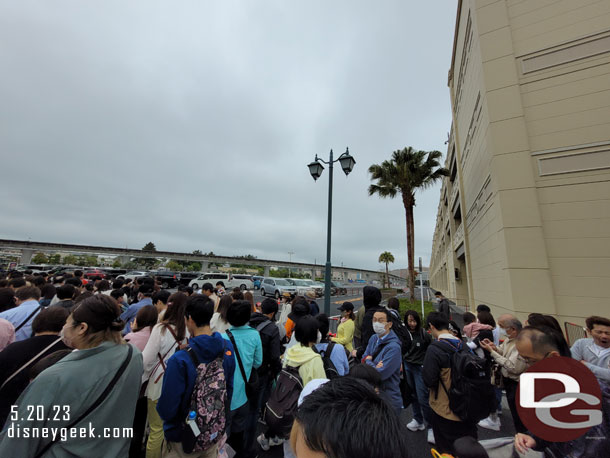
<point x="302" y="286"/>
<point x="276" y="287"/>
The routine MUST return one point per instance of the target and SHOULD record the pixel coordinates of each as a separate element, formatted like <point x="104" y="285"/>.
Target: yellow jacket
<point x="345" y="334"/>
<point x="308" y="361"/>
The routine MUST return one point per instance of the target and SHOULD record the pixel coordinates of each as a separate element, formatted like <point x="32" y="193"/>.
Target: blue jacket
<point x="130" y="314"/>
<point x="338" y="357"/>
<point x="180" y="376"/>
<point x="250" y="349"/>
<point x="390" y="372"/>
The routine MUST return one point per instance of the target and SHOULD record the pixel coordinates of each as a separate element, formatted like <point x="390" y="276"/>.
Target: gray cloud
<point x="191" y="123"/>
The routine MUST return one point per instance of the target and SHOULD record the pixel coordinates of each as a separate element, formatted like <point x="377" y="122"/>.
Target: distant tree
<point x="116" y="263"/>
<point x="130" y="265"/>
<point x="40" y="258"/>
<point x="174" y="266"/>
<point x="70" y="260"/>
<point x="406" y="172"/>
<point x="197" y="252"/>
<point x="211" y="253"/>
<point x="149" y="247"/>
<point x="194" y="267"/>
<point x="249" y="256"/>
<point x="386" y="257"/>
<point x="55" y="259"/>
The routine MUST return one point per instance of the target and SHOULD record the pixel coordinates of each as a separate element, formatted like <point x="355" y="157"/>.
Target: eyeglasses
<point x="531" y="361"/>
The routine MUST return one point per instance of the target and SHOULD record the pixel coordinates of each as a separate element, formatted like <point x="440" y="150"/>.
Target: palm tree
<point x="407" y="171"/>
<point x="386" y="257"/>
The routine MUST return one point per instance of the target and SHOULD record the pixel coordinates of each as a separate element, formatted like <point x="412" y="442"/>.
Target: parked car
<point x="319" y="286"/>
<point x="230" y="281"/>
<point x="90" y="274"/>
<point x="337" y="289"/>
<point x="276" y="287"/>
<point x="133" y="274"/>
<point x="167" y="278"/>
<point x="187" y="277"/>
<point x="302" y="286"/>
<point x="256" y="280"/>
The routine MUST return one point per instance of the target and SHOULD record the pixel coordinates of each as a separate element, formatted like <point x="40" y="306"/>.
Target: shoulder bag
<point x="252" y="382"/>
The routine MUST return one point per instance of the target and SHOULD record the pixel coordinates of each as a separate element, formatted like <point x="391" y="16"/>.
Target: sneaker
<point x="274" y="441"/>
<point x="414" y="425"/>
<point x="431" y="436"/>
<point x="263" y="442"/>
<point x="489" y="423"/>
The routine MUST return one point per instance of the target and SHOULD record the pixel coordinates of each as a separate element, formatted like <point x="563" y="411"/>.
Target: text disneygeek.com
<point x="63" y="434"/>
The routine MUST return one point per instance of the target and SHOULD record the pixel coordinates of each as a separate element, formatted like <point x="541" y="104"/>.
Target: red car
<point x="89" y="274"/>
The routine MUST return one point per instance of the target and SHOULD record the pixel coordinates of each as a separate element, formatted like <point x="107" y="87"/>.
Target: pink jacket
<point x="7" y="333"/>
<point x="139" y="339"/>
<point x="472" y="330"/>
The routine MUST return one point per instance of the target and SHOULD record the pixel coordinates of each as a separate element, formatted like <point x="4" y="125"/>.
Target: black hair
<point x="145" y="290"/>
<point x="17" y="282"/>
<point x="238" y="295"/>
<point x="220" y="283"/>
<point x="103" y="285"/>
<point x="223" y="306"/>
<point x="174" y="314"/>
<point x="386" y="312"/>
<point x="438" y="293"/>
<point x="89" y="287"/>
<point x="486" y="318"/>
<point x="51" y="319"/>
<point x="483" y="308"/>
<point x="306" y="330"/>
<point x="74" y="281"/>
<point x="537" y="320"/>
<point x="347" y="407"/>
<point x="38" y="281"/>
<point x="7" y="299"/>
<point x="47" y="291"/>
<point x="27" y="292"/>
<point x="118" y="283"/>
<point x="438" y="320"/>
<point x="239" y="313"/>
<point x="269" y="306"/>
<point x="593" y="320"/>
<point x="162" y="296"/>
<point x="416" y="318"/>
<point x="65" y="292"/>
<point x="323" y="325"/>
<point x="200" y="308"/>
<point x="146" y="317"/>
<point x="468" y="318"/>
<point x="117" y="294"/>
<point x="393" y="303"/>
<point x="545" y="339"/>
<point x="455" y="329"/>
<point x="207" y="287"/>
<point x="367" y="373"/>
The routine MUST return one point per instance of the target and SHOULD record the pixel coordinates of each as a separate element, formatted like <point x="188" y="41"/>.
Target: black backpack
<point x="401" y="332"/>
<point x="329" y="367"/>
<point x="283" y="401"/>
<point x="471" y="396"/>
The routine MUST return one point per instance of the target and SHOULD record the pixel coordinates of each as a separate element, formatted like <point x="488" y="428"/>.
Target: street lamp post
<point x="315" y="169"/>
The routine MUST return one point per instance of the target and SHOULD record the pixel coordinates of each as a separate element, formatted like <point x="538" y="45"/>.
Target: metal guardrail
<point x="574" y="332"/>
<point x="333" y="322"/>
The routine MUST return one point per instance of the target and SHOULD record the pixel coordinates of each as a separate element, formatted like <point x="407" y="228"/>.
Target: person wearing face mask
<point x="345" y="330"/>
<point x="144" y="298"/>
<point x="442" y="305"/>
<point x="383" y="352"/>
<point x="507" y="356"/>
<point x="96" y="387"/>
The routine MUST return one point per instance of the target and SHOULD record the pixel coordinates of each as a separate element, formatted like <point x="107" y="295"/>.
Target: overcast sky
<point x="191" y="123"/>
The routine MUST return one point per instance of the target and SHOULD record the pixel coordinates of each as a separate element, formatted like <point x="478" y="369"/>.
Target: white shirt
<point x="159" y="343"/>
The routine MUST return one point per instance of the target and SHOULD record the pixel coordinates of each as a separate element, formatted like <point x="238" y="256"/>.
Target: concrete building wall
<point x="529" y="152"/>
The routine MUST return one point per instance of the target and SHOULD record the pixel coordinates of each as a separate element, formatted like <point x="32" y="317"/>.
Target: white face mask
<point x="379" y="329"/>
<point x="501" y="332"/>
<point x="319" y="337"/>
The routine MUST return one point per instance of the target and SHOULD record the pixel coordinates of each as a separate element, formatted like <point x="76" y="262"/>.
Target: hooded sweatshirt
<point x="391" y="356"/>
<point x="180" y="376"/>
<point x="308" y="361"/>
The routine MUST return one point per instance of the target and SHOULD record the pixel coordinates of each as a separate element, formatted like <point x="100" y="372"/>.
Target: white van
<point x="230" y="281"/>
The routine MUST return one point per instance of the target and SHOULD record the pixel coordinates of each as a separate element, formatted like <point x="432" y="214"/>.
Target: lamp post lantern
<point x="315" y="168"/>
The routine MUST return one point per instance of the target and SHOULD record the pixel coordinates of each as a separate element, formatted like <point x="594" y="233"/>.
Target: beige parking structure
<point x="523" y="222"/>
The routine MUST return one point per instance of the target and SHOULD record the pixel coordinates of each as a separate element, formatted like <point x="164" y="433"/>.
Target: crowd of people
<point x="212" y="373"/>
